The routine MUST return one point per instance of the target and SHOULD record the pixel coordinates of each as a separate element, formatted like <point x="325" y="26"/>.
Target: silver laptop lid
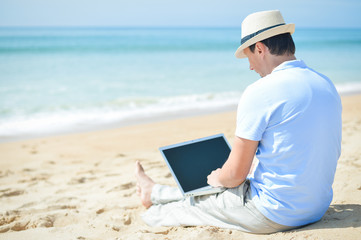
<point x="191" y="162"/>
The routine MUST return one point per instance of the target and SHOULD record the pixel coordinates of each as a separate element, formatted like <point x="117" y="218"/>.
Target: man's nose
<point x="250" y="67"/>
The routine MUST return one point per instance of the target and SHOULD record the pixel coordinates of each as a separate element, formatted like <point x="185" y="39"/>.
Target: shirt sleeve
<point x="252" y="114"/>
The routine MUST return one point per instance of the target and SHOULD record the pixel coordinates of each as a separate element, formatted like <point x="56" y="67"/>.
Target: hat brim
<point x="288" y="28"/>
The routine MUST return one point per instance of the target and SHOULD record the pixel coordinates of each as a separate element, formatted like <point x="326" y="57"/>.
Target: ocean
<point x="58" y="80"/>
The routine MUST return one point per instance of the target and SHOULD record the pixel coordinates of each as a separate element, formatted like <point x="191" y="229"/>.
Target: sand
<point x="82" y="186"/>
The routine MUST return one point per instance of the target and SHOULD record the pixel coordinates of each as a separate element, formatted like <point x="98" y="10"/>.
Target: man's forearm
<point x="236" y="168"/>
<point x="229" y="177"/>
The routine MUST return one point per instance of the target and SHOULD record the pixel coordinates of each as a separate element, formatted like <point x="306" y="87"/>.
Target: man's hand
<point x="236" y="168"/>
<point x="213" y="178"/>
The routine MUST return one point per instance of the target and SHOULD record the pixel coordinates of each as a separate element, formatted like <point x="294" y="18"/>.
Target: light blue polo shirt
<point x="295" y="113"/>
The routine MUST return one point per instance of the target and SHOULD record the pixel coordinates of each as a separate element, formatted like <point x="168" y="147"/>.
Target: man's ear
<point x="260" y="49"/>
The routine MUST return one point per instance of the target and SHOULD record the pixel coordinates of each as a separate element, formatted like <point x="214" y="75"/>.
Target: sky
<point x="175" y="13"/>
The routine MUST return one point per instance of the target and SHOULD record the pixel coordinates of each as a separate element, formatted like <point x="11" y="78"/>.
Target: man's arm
<point x="237" y="166"/>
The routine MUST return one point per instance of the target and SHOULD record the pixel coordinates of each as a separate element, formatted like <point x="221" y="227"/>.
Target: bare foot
<point x="144" y="185"/>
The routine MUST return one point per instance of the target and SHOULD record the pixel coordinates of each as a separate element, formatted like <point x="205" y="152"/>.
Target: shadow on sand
<point x="337" y="216"/>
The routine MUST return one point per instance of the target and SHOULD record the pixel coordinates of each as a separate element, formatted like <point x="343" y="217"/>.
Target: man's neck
<point x="275" y="61"/>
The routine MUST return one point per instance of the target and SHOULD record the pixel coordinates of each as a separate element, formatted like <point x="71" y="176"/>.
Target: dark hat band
<point x="248" y="37"/>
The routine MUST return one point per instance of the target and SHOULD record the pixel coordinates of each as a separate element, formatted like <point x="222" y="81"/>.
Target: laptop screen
<point x="191" y="162"/>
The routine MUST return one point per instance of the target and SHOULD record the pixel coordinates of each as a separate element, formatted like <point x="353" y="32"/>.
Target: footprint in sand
<point x="5" y="173"/>
<point x="168" y="175"/>
<point x="21" y="225"/>
<point x="155" y="165"/>
<point x="124" y="219"/>
<point x="129" y="194"/>
<point x="121" y="187"/>
<point x="126" y="185"/>
<point x="27" y="218"/>
<point x="120" y="155"/>
<point x="100" y="211"/>
<point x="11" y="221"/>
<point x="11" y="193"/>
<point x="5" y="220"/>
<point x="28" y="170"/>
<point x="47" y="221"/>
<point x="80" y="180"/>
<point x="127" y="220"/>
<point x="34" y="151"/>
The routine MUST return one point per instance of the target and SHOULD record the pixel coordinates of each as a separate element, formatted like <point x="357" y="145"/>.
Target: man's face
<point x="254" y="61"/>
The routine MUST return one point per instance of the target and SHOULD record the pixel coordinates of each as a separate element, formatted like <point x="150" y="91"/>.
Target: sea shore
<point x="82" y="185"/>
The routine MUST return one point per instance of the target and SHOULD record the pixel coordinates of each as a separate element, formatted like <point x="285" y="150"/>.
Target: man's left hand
<point x="213" y="178"/>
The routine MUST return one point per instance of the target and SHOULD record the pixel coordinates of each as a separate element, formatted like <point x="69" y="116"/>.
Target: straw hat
<point x="262" y="25"/>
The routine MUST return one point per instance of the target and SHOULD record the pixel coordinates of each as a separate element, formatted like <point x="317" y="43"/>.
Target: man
<point x="291" y="120"/>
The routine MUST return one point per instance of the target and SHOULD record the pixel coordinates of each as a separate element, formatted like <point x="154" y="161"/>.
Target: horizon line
<point x="159" y="26"/>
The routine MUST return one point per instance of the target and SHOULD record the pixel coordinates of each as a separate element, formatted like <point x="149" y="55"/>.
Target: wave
<point x="349" y="88"/>
<point x="128" y="111"/>
<point x="117" y="113"/>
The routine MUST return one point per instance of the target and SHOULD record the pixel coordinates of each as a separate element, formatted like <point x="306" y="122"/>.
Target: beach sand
<point x="82" y="186"/>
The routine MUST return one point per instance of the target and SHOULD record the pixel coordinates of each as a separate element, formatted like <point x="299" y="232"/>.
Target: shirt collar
<point x="290" y="64"/>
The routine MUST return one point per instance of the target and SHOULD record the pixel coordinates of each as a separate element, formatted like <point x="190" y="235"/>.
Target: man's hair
<point x="278" y="45"/>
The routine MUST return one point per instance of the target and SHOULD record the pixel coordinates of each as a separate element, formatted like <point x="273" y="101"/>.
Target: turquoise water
<point x="61" y="79"/>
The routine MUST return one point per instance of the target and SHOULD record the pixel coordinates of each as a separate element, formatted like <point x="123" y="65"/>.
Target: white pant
<point x="232" y="209"/>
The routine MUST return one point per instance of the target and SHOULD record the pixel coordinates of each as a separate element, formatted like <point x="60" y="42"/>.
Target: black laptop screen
<point x="192" y="163"/>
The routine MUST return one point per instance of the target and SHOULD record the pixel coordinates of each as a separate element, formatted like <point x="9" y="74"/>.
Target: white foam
<point x="123" y="112"/>
<point x="349" y="88"/>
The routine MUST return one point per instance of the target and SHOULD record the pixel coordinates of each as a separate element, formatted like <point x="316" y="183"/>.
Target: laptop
<point x="191" y="162"/>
